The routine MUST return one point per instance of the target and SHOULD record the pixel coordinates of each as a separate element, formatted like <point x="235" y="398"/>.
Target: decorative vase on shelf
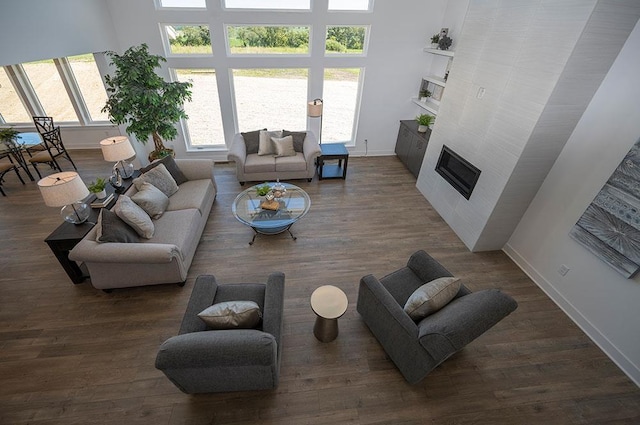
<point x="422" y="128"/>
<point x="434" y="45"/>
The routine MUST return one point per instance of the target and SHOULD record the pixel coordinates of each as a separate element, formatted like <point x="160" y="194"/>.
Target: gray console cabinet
<point x="411" y="145"/>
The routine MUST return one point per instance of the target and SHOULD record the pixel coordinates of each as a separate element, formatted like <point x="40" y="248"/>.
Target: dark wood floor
<point x="71" y="354"/>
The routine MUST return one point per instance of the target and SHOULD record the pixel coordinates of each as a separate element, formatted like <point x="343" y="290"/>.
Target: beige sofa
<point x="254" y="167"/>
<point x="167" y="256"/>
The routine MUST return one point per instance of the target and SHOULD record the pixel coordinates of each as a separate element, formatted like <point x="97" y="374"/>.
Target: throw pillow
<point x="110" y="228"/>
<point x="283" y="146"/>
<point x="266" y="145"/>
<point x="252" y="140"/>
<point x="134" y="216"/>
<point x="431" y="297"/>
<point x="151" y="200"/>
<point x="232" y="315"/>
<point x="171" y="166"/>
<point x="160" y="178"/>
<point x="298" y="139"/>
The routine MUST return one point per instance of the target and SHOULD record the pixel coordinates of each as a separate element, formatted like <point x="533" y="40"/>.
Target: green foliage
<point x="141" y="99"/>
<point x="435" y="38"/>
<point x="268" y="36"/>
<point x="335" y="46"/>
<point x="8" y="134"/>
<point x="425" y="93"/>
<point x="425" y="119"/>
<point x="350" y="37"/>
<point x="263" y="189"/>
<point x="192" y="36"/>
<point x="97" y="186"/>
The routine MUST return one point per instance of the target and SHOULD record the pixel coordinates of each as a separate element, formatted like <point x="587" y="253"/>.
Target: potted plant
<point x="143" y="100"/>
<point x="8" y="134"/>
<point x="424" y="122"/>
<point x="98" y="187"/>
<point x="434" y="41"/>
<point x="445" y="42"/>
<point x="424" y="94"/>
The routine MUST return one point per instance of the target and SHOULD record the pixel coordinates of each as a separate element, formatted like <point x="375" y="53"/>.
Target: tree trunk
<point x="157" y="142"/>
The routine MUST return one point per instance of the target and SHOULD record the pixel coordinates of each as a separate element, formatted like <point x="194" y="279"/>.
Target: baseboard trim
<point x="626" y="365"/>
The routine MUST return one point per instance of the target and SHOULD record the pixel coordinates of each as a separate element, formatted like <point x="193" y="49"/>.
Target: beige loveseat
<point x="255" y="167"/>
<point x="167" y="256"/>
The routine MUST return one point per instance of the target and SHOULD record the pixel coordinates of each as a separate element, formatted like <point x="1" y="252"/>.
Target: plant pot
<point x="434" y="45"/>
<point x="161" y="154"/>
<point x="422" y="128"/>
<point x="102" y="194"/>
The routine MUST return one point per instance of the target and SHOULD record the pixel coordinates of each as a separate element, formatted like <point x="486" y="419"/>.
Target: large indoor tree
<point x="142" y="100"/>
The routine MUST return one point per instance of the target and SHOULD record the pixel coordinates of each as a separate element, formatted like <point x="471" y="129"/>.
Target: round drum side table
<point x="328" y="303"/>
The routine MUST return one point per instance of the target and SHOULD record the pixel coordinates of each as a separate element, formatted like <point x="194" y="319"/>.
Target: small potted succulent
<point x="263" y="189"/>
<point x="434" y="41"/>
<point x="424" y="122"/>
<point x="98" y="188"/>
<point x="424" y="94"/>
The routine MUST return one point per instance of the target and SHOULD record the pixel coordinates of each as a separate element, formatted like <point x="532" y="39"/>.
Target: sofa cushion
<point x="160" y="177"/>
<point x="252" y="140"/>
<point x="266" y="145"/>
<point x="232" y="315"/>
<point x="298" y="138"/>
<point x="171" y="166"/>
<point x="291" y="163"/>
<point x="192" y="194"/>
<point x="283" y="146"/>
<point x="259" y="164"/>
<point x="431" y="297"/>
<point x="111" y="228"/>
<point x="151" y="200"/>
<point x="134" y="216"/>
<point x="179" y="228"/>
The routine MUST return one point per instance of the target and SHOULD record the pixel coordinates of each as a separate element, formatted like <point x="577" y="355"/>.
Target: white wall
<point x="600" y="301"/>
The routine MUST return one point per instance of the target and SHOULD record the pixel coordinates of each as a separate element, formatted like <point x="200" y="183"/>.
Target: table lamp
<point x="118" y="149"/>
<point x="314" y="110"/>
<point x="66" y="190"/>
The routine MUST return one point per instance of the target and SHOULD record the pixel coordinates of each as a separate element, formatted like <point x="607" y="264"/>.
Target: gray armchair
<point x="418" y="348"/>
<point x="200" y="360"/>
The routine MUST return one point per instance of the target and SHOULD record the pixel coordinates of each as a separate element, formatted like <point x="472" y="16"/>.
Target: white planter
<point x="434" y="45"/>
<point x="422" y="128"/>
<point x="102" y="194"/>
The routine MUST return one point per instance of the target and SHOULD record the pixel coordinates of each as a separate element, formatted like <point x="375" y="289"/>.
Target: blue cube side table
<point x="333" y="152"/>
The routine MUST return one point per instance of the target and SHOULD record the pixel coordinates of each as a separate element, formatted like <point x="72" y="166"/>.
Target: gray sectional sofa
<point x="167" y="256"/>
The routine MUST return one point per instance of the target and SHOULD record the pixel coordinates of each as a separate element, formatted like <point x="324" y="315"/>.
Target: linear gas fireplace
<point x="457" y="171"/>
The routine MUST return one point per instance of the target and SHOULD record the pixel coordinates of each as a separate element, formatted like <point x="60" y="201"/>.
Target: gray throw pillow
<point x="283" y="146"/>
<point x="134" y="216"/>
<point x="160" y="178"/>
<point x="232" y="315"/>
<point x="252" y="140"/>
<point x="431" y="297"/>
<point x="266" y="145"/>
<point x="151" y="200"/>
<point x="171" y="166"/>
<point x="110" y="228"/>
<point x="298" y="139"/>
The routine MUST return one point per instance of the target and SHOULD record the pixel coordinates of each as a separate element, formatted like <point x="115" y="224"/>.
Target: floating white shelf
<point x="428" y="105"/>
<point x="439" y="52"/>
<point x="436" y="80"/>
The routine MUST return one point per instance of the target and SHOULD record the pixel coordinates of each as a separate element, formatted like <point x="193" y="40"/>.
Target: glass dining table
<point x="22" y="143"/>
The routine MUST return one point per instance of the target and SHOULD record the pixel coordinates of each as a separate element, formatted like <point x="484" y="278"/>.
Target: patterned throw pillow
<point x="134" y="216"/>
<point x="431" y="297"/>
<point x="232" y="315"/>
<point x="151" y="200"/>
<point x="160" y="178"/>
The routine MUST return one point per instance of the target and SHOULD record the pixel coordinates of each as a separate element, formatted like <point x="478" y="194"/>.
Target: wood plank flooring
<point x="71" y="354"/>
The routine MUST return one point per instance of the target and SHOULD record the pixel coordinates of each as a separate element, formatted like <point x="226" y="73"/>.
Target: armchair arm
<point x="274" y="306"/>
<point x="204" y="291"/>
<point x="426" y="267"/>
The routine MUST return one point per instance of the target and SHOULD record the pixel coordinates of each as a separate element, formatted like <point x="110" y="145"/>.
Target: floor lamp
<point x="314" y="110"/>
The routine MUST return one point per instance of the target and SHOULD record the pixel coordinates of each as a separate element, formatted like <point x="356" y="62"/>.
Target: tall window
<point x="186" y="4"/>
<point x="341" y="98"/>
<point x="347" y="5"/>
<point x="204" y="126"/>
<point x="271" y="98"/>
<point x="90" y="83"/>
<point x="268" y="4"/>
<point x="11" y="108"/>
<point x="267" y="40"/>
<point x="47" y="84"/>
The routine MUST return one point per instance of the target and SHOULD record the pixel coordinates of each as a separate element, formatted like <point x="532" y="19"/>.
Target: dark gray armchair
<point x="200" y="360"/>
<point x="417" y="348"/>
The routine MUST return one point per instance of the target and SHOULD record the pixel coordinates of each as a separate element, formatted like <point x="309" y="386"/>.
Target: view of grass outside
<point x="265" y="40"/>
<point x="189" y="39"/>
<point x="47" y="84"/>
<point x="345" y="40"/>
<point x="11" y="108"/>
<point x="88" y="79"/>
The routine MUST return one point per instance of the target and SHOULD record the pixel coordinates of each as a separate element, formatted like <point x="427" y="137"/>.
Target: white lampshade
<point x="314" y="108"/>
<point x="116" y="148"/>
<point x="62" y="189"/>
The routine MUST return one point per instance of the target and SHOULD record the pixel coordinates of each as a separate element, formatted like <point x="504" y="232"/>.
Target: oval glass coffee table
<point x="291" y="207"/>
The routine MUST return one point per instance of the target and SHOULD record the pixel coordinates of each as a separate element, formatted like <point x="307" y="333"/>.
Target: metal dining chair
<point x="54" y="148"/>
<point x="7" y="166"/>
<point x="43" y="125"/>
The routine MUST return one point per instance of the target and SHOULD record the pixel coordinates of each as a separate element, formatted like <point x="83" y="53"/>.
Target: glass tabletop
<point x="292" y="206"/>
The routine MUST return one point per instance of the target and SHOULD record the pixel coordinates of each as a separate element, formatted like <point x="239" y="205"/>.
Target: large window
<point x="268" y="40"/>
<point x="188" y="39"/>
<point x="347" y="5"/>
<point x="271" y="98"/>
<point x="186" y="4"/>
<point x="341" y="98"/>
<point x="52" y="94"/>
<point x="11" y="108"/>
<point x="268" y="4"/>
<point x="204" y="126"/>
<point x="90" y="84"/>
<point x="345" y="40"/>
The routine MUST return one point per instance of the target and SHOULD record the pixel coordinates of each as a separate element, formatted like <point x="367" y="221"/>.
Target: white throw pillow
<point x="266" y="145"/>
<point x="134" y="216"/>
<point x="151" y="200"/>
<point x="431" y="297"/>
<point x="284" y="146"/>
<point x="232" y="315"/>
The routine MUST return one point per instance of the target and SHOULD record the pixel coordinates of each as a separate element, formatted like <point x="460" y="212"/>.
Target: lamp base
<point x="124" y="168"/>
<point x="76" y="213"/>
